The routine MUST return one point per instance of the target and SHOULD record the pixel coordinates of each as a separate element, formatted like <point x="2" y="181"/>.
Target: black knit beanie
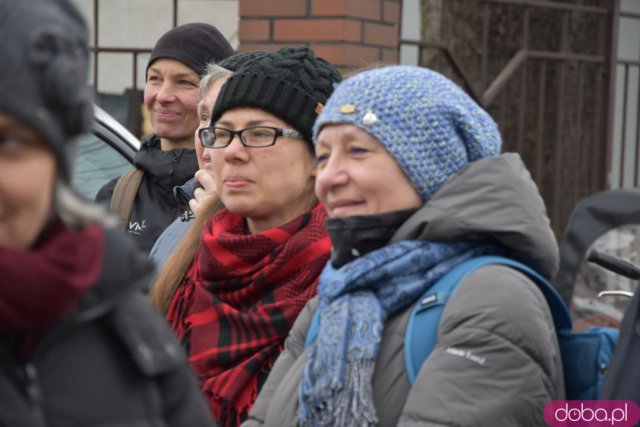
<point x="195" y="45"/>
<point x="292" y="84"/>
<point x="44" y="70"/>
<point x="234" y="62"/>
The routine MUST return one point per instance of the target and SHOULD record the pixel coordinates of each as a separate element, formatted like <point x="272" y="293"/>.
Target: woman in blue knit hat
<point x="411" y="176"/>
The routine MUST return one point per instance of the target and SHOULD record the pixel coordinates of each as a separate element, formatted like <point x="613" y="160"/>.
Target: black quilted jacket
<point x="113" y="362"/>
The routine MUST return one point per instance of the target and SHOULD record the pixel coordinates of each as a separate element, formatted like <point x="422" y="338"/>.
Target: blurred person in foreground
<point x="410" y="174"/>
<point x="258" y="259"/>
<point x="79" y="343"/>
<point x="167" y="158"/>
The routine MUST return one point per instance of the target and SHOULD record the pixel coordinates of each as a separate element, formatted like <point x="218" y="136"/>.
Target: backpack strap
<point x="313" y="329"/>
<point x="124" y="195"/>
<point x="422" y="327"/>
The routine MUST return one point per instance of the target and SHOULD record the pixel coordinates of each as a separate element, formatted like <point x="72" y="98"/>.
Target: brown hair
<point x="174" y="270"/>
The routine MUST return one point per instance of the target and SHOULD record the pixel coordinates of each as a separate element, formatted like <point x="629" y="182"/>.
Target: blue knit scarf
<point x="355" y="301"/>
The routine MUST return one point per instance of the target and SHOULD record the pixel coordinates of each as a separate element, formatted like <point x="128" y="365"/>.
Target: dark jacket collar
<point x="354" y="236"/>
<point x="184" y="193"/>
<point x="167" y="169"/>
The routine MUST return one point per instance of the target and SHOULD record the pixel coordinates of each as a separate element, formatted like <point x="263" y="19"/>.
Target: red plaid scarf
<point x="239" y="300"/>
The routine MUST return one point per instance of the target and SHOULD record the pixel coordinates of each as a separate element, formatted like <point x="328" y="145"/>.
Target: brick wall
<point x="347" y="33"/>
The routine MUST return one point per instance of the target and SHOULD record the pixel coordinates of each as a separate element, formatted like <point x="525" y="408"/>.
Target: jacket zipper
<point x="34" y="392"/>
<point x="174" y="161"/>
<point x="27" y="377"/>
<point x="29" y="374"/>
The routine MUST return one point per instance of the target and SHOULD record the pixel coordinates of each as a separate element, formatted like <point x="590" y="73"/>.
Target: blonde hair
<point x="175" y="269"/>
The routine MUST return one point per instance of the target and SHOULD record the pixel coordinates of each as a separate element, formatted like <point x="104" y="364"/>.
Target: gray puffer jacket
<point x="497" y="314"/>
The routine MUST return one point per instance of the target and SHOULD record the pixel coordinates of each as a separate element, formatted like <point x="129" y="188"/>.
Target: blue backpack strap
<point x="312" y="332"/>
<point x="422" y="327"/>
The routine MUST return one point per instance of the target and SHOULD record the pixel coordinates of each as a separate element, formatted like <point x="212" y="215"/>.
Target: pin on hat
<point x="370" y="118"/>
<point x="348" y="109"/>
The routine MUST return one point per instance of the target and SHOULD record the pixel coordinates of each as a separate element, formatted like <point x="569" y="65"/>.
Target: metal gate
<point x="135" y="96"/>
<point x="546" y="72"/>
<point x="626" y="132"/>
<point x="550" y="88"/>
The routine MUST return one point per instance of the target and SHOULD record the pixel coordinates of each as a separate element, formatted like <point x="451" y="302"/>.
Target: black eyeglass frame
<point x="289" y="133"/>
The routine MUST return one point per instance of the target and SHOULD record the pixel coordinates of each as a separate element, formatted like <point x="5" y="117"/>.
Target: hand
<point x="205" y="196"/>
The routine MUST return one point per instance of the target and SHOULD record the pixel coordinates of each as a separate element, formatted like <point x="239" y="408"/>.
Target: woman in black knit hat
<point x="260" y="256"/>
<point x="79" y="343"/>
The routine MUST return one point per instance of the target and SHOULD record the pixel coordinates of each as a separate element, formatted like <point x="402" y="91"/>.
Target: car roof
<point x="105" y="119"/>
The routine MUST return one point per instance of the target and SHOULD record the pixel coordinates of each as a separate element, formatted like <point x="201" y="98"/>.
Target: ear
<point x="311" y="158"/>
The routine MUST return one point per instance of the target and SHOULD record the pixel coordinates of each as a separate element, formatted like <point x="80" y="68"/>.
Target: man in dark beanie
<point x="79" y="343"/>
<point x="143" y="198"/>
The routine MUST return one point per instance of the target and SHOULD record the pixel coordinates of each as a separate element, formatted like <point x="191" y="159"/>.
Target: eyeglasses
<point x="252" y="137"/>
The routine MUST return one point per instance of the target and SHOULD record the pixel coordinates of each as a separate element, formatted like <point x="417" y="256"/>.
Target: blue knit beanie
<point x="428" y="124"/>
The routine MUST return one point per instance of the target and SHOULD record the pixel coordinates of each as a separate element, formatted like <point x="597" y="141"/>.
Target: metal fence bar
<point x="522" y="107"/>
<point x="597" y="132"/>
<point x="610" y="90"/>
<point x="579" y="152"/>
<point x="542" y="54"/>
<point x="486" y="17"/>
<point x="522" y="110"/>
<point x="503" y="78"/>
<point x="175" y="13"/>
<point x="557" y="158"/>
<point x="553" y="6"/>
<point x="134" y="104"/>
<point x="503" y="108"/>
<point x="96" y="42"/>
<point x="598" y="116"/>
<point x="540" y="119"/>
<point x="630" y="15"/>
<point x="623" y="131"/>
<point x="629" y="62"/>
<point x="637" y="142"/>
<point x="453" y="61"/>
<point x="637" y="178"/>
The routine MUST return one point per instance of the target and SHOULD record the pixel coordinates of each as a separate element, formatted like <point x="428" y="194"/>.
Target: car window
<point x="96" y="163"/>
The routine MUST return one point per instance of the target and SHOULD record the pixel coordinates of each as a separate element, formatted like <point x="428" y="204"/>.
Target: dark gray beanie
<point x="194" y="44"/>
<point x="44" y="69"/>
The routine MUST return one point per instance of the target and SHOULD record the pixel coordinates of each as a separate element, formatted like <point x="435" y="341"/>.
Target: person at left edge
<point x="79" y="343"/>
<point x="167" y="158"/>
